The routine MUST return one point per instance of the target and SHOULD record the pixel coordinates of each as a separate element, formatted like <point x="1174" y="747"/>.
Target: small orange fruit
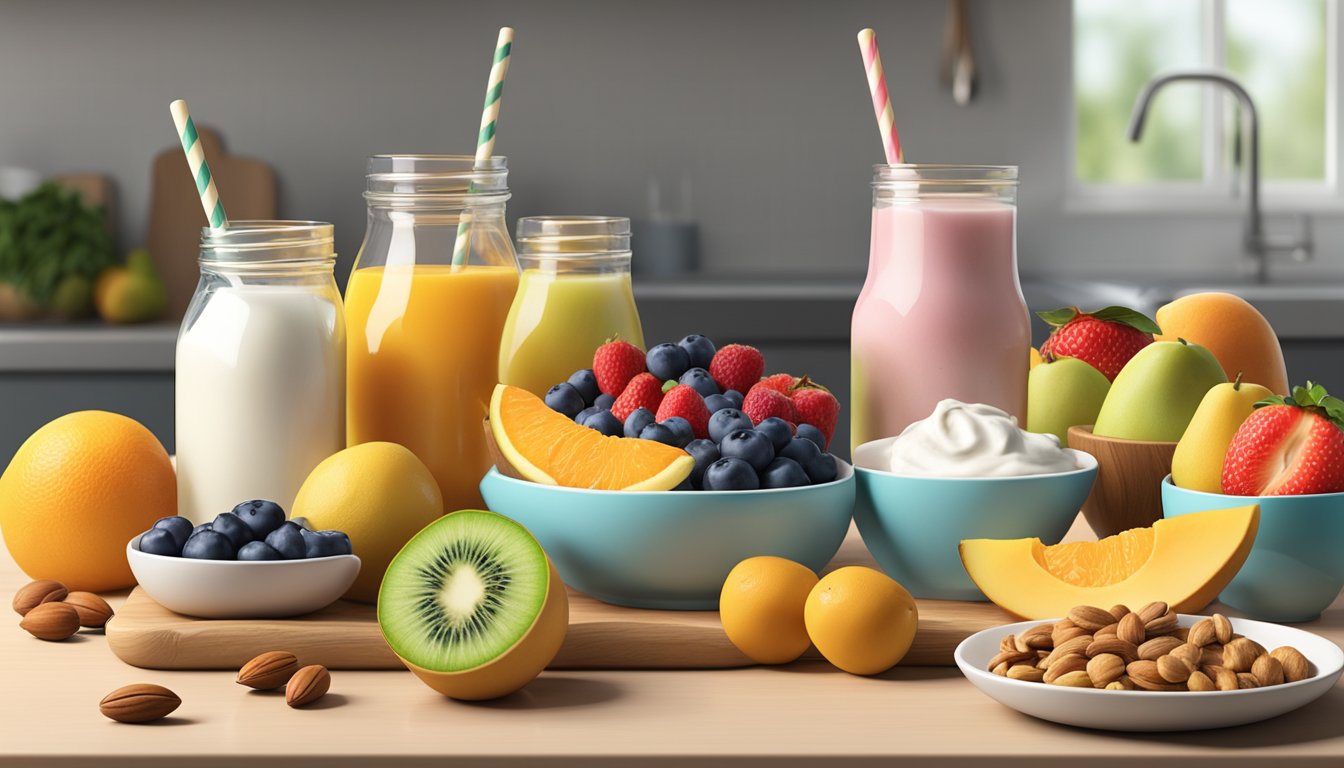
<point x="761" y="608"/>
<point x="77" y="491"/>
<point x="861" y="620"/>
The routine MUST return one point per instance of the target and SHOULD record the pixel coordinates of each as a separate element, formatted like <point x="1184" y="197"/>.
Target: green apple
<point x="1158" y="391"/>
<point x="1064" y="392"/>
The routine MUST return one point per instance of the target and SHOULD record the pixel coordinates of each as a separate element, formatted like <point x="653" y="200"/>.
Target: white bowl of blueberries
<point x="248" y="563"/>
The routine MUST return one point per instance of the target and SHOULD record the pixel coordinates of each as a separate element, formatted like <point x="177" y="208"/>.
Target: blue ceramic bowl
<point x="1296" y="566"/>
<point x="672" y="549"/>
<point x="913" y="525"/>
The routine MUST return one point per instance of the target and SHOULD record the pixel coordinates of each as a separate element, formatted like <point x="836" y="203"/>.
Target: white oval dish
<point x="1156" y="710"/>
<point x="249" y="589"/>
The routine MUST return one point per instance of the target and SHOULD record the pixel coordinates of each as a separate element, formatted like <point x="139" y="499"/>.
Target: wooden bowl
<point x="1128" y="490"/>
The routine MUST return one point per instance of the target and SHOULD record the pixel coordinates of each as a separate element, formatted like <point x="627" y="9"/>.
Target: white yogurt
<point x="974" y="440"/>
<point x="260" y="395"/>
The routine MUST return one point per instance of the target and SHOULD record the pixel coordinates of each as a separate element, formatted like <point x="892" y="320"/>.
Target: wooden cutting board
<point x="601" y="636"/>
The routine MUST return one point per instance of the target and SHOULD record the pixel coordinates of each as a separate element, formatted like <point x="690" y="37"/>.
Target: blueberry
<point x="343" y="546"/>
<point x="705" y="452"/>
<point x="820" y="467"/>
<point x="735" y="398"/>
<point x="261" y="516"/>
<point x="317" y="545"/>
<point x="681" y="428"/>
<point x="667" y="361"/>
<point x="585" y="414"/>
<point x="234" y="529"/>
<point x="784" y="473"/>
<point x="160" y="541"/>
<point x="700" y="380"/>
<point x="778" y="430"/>
<point x="659" y="434"/>
<point x="809" y="432"/>
<point x="727" y="421"/>
<point x="202" y="527"/>
<point x="699" y="350"/>
<point x="302" y="522"/>
<point x="605" y="401"/>
<point x="586" y="383"/>
<point x="716" y="403"/>
<point x="637" y="421"/>
<point x="180" y="527"/>
<point x="750" y="446"/>
<point x="258" y="550"/>
<point x="731" y="475"/>
<point x="604" y="422"/>
<point x="288" y="541"/>
<point x="565" y="399"/>
<point x="209" y="545"/>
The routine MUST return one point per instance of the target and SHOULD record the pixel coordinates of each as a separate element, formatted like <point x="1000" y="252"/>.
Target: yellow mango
<point x="1198" y="461"/>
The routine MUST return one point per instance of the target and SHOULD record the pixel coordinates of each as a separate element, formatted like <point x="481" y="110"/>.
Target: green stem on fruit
<point x="1236" y="385"/>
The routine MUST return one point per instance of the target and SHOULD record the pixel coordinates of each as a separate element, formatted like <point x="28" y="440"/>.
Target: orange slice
<point x="1183" y="561"/>
<point x="545" y="446"/>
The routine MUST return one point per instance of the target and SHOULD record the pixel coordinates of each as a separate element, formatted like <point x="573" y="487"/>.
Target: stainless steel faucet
<point x="1258" y="245"/>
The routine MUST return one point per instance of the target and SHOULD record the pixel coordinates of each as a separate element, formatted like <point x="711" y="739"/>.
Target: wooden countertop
<point x="801" y="714"/>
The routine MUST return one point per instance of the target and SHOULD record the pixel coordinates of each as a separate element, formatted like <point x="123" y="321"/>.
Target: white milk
<point x="260" y="396"/>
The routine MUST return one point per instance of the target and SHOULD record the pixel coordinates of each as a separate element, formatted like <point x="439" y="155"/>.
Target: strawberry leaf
<point x="1059" y="317"/>
<point x="1312" y="397"/>
<point x="1126" y="316"/>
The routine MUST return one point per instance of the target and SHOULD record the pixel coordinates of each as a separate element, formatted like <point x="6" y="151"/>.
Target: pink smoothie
<point x="940" y="315"/>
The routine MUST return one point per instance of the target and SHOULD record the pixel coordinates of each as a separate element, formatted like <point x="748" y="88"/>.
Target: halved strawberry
<point x="1288" y="447"/>
<point x="1105" y="339"/>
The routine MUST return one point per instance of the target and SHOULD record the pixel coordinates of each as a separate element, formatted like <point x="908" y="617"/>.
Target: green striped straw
<point x="205" y="183"/>
<point x="485" y="140"/>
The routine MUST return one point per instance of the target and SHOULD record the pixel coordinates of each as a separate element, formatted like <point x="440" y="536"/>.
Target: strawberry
<point x="737" y="366"/>
<point x="685" y="402"/>
<point x="643" y="391"/>
<point x="1105" y="339"/>
<point x="816" y="406"/>
<point x="763" y="402"/>
<point x="780" y="382"/>
<point x="1288" y="446"/>
<point x="615" y="364"/>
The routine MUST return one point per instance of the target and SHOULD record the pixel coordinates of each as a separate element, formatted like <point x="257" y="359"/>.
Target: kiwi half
<point x="473" y="606"/>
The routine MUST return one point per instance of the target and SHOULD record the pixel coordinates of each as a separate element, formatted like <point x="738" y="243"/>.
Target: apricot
<point x="761" y="608"/>
<point x="861" y="620"/>
<point x="1234" y="331"/>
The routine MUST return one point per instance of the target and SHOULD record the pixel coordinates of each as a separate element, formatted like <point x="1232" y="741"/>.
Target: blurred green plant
<point x="47" y="236"/>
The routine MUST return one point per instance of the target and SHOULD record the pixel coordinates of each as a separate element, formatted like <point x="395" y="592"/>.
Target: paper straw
<point x="877" y="86"/>
<point x="485" y="140"/>
<point x="205" y="183"/>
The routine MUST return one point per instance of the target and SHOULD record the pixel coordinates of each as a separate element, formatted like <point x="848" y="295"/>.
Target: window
<point x="1280" y="50"/>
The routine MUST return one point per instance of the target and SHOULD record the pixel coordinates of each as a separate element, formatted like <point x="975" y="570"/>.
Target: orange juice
<point x="423" y="351"/>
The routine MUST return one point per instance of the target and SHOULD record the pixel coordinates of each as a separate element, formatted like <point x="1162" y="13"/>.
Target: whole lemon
<point x="761" y="608"/>
<point x="77" y="491"/>
<point x="861" y="620"/>
<point x="380" y="495"/>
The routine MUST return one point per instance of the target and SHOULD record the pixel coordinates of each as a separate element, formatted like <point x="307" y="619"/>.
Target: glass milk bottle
<point x="260" y="367"/>
<point x="574" y="294"/>
<point x="941" y="313"/>
<point x="424" y="322"/>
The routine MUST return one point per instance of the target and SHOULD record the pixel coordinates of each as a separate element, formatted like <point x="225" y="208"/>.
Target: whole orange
<point x="861" y="620"/>
<point x="761" y="608"/>
<point x="77" y="491"/>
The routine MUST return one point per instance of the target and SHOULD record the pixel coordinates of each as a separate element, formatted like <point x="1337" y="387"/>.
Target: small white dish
<point x="249" y="589"/>
<point x="1156" y="710"/>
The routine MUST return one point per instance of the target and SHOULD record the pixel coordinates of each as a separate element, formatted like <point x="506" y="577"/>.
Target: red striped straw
<point x="877" y="85"/>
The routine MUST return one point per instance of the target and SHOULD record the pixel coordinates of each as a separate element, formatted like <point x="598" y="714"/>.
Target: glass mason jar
<point x="424" y="317"/>
<point x="941" y="313"/>
<point x="574" y="294"/>
<point x="260" y="367"/>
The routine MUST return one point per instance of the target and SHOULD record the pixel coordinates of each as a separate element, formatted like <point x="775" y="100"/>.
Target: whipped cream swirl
<point x="974" y="440"/>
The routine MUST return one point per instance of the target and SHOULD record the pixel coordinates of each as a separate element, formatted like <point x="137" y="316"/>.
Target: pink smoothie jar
<point x="941" y="313"/>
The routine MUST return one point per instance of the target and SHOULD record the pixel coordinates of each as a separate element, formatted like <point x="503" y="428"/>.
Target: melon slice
<point x="545" y="446"/>
<point x="1183" y="561"/>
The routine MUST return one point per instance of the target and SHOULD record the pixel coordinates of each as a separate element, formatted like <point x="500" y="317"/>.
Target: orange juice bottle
<point x="574" y="294"/>
<point x="423" y="322"/>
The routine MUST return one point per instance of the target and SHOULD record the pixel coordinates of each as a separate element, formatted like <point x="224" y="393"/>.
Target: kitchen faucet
<point x="1258" y="245"/>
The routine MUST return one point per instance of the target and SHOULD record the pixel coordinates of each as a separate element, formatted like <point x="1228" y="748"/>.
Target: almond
<point x="51" y="621"/>
<point x="1192" y="655"/>
<point x="1181" y="633"/>
<point x="1071" y="663"/>
<point x="1267" y="670"/>
<point x="1222" y="628"/>
<point x="1075" y="679"/>
<point x="1173" y="669"/>
<point x="1063" y="631"/>
<point x="1000" y="669"/>
<point x="1239" y="655"/>
<point x="1077" y="645"/>
<point x="1007" y="643"/>
<point x="139" y="703"/>
<point x="36" y="593"/>
<point x="1105" y="669"/>
<point x="1295" y="665"/>
<point x="1119" y="611"/>
<point x="1011" y="657"/>
<point x="1226" y="680"/>
<point x="1202" y="633"/>
<point x="93" y="610"/>
<point x="1211" y="656"/>
<point x="1109" y="630"/>
<point x="1090" y="617"/>
<point x="1038" y="637"/>
<point x="268" y="671"/>
<point x="1130" y="629"/>
<point x="1144" y="675"/>
<point x="1152" y="611"/>
<point x="1247" y="680"/>
<point x="1158" y="647"/>
<point x="307" y="685"/>
<point x="1112" y="645"/>
<point x="1026" y="672"/>
<point x="1162" y="625"/>
<point x="1123" y="684"/>
<point x="1200" y="682"/>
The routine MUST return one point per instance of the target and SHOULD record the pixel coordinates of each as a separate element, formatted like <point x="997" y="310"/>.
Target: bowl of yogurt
<point x="967" y="471"/>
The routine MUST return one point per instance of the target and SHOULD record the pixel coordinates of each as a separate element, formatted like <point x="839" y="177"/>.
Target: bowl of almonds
<point x="1150" y="669"/>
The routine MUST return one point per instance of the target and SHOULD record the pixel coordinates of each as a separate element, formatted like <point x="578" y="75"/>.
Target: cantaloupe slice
<point x="1183" y="561"/>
